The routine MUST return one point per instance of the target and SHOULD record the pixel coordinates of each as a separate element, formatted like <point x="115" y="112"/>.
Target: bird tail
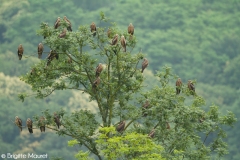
<point x="30" y="130"/>
<point x="39" y="55"/>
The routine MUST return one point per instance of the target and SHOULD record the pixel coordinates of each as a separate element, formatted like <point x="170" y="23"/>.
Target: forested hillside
<point x="198" y="39"/>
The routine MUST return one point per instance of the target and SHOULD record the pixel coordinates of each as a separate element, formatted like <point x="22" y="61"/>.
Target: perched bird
<point x="57" y="119"/>
<point x="109" y="33"/>
<point x="115" y="39"/>
<point x="57" y="23"/>
<point x="152" y="133"/>
<point x="99" y="69"/>
<point x="96" y="82"/>
<point x="20" y="51"/>
<point x="131" y="29"/>
<point x="51" y="56"/>
<point x="18" y="122"/>
<point x="42" y="124"/>
<point x="191" y="87"/>
<point x="40" y="50"/>
<point x="178" y="85"/>
<point x="63" y="34"/>
<point x="29" y="125"/>
<point x="144" y="107"/>
<point x="144" y="64"/>
<point x="120" y="127"/>
<point x="93" y="28"/>
<point x="69" y="27"/>
<point x="123" y="43"/>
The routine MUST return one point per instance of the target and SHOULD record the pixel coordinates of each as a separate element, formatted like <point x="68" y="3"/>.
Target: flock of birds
<point x="121" y="126"/>
<point x="53" y="54"/>
<point x="41" y="122"/>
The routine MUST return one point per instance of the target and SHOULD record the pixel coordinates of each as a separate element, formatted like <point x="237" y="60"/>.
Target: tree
<point x="181" y="127"/>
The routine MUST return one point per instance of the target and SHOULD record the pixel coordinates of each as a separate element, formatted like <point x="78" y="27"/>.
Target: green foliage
<point x="178" y="120"/>
<point x="130" y="146"/>
<point x="198" y="39"/>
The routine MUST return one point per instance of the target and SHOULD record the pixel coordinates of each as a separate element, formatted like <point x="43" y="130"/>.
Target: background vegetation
<point x="198" y="39"/>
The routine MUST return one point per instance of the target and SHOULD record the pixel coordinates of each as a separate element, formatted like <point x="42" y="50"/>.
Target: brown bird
<point x="93" y="28"/>
<point x="63" y="34"/>
<point x="131" y="29"/>
<point x="57" y="119"/>
<point x="144" y="107"/>
<point x="20" y="51"/>
<point x="40" y="50"/>
<point x="69" y="27"/>
<point x="57" y="23"/>
<point x="29" y="125"/>
<point x="191" y="87"/>
<point x="144" y="64"/>
<point x="18" y="122"/>
<point x="51" y="56"/>
<point x="99" y="69"/>
<point x="178" y="85"/>
<point x="115" y="39"/>
<point x="96" y="82"/>
<point x="120" y="127"/>
<point x="42" y="124"/>
<point x="152" y="133"/>
<point x="109" y="33"/>
<point x="123" y="43"/>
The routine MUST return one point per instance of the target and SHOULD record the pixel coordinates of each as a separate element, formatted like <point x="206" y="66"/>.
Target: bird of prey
<point x="57" y="23"/>
<point x="123" y="43"/>
<point x="120" y="127"/>
<point x="109" y="33"/>
<point x="131" y="29"/>
<point x="144" y="64"/>
<point x="69" y="27"/>
<point x="40" y="50"/>
<point x="57" y="119"/>
<point x="93" y="28"/>
<point x="29" y="125"/>
<point x="63" y="34"/>
<point x="152" y="133"/>
<point x="115" y="39"/>
<point x="20" y="51"/>
<point x="96" y="82"/>
<point x="191" y="87"/>
<point x="42" y="124"/>
<point x="178" y="85"/>
<point x="51" y="56"/>
<point x="18" y="122"/>
<point x="99" y="69"/>
<point x="144" y="107"/>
